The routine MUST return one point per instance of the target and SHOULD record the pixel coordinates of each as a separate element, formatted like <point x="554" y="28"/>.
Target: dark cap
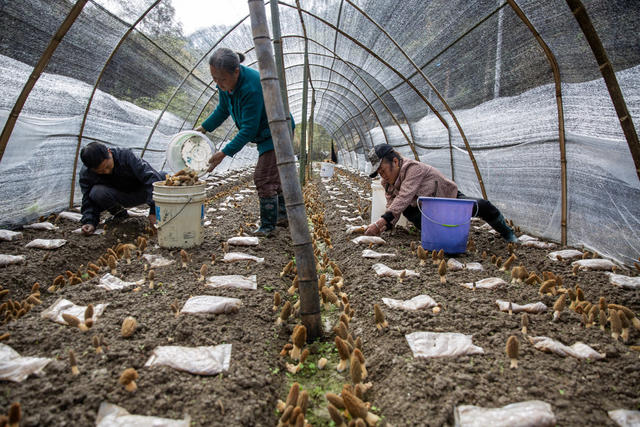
<point x="375" y="157"/>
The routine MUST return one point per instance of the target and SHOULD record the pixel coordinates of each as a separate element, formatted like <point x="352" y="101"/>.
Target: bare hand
<point x="152" y="223"/>
<point x="88" y="229"/>
<point x="215" y="160"/>
<point x="201" y="129"/>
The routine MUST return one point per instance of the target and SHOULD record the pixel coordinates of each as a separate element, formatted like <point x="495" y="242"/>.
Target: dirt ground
<point x="405" y="390"/>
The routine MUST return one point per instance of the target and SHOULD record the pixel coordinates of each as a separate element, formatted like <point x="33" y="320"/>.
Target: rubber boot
<point x="282" y="212"/>
<point x="119" y="215"/>
<point x="505" y="231"/>
<point x="268" y="216"/>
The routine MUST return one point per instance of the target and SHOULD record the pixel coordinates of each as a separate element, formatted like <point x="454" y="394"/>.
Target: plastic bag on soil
<point x="211" y="304"/>
<point x="534" y="307"/>
<point x="474" y="266"/>
<point x="97" y="231"/>
<point x="41" y="226"/>
<point x="113" y="283"/>
<point x="538" y="244"/>
<point x="623" y="281"/>
<point x="158" y="260"/>
<point x="16" y="368"/>
<point x="368" y="253"/>
<point x="71" y="216"/>
<point x="233" y="281"/>
<point x="594" y="264"/>
<point x="578" y="350"/>
<point x="243" y="241"/>
<point x="110" y="415"/>
<point x="522" y="414"/>
<point x="441" y="344"/>
<point x="384" y="271"/>
<point x="239" y="256"/>
<point x="354" y="219"/>
<point x="454" y="265"/>
<point x="625" y="418"/>
<point x="196" y="360"/>
<point x="488" y="283"/>
<point x="416" y="303"/>
<point x="46" y="243"/>
<point x="11" y="259"/>
<point x="138" y="212"/>
<point x="564" y="254"/>
<point x="356" y="229"/>
<point x="54" y="312"/>
<point x="8" y="235"/>
<point x="367" y="240"/>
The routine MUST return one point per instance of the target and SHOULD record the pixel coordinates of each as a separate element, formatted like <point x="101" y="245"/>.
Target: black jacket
<point x="130" y="173"/>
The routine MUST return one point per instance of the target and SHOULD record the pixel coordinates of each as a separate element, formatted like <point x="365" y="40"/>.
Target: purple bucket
<point x="445" y="223"/>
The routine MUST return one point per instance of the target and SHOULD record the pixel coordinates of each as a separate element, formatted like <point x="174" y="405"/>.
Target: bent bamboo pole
<point x="302" y="245"/>
<point x="561" y="136"/>
<point x="609" y="75"/>
<point x="35" y="74"/>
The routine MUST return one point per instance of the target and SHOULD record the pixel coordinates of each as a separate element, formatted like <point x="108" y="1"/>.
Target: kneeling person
<point x="404" y="180"/>
<point x="113" y="179"/>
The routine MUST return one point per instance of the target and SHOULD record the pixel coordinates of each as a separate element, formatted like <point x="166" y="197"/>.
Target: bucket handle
<point x="176" y="215"/>
<point x="450" y="225"/>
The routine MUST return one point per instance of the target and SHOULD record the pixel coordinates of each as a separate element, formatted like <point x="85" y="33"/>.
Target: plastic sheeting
<point x="521" y="414"/>
<point x="55" y="311"/>
<point x="110" y="415"/>
<point x="207" y="360"/>
<point x="14" y="367"/>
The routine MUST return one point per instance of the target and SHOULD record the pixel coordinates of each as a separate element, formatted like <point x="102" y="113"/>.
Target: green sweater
<point x="246" y="106"/>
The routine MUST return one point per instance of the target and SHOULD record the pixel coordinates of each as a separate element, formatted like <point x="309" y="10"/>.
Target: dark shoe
<point x="282" y="212"/>
<point x="268" y="216"/>
<point x="505" y="231"/>
<point x="119" y="216"/>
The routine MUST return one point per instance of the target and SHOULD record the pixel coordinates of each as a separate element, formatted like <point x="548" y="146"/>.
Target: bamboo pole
<point x="302" y="245"/>
<point x="561" y="135"/>
<point x="610" y="79"/>
<point x="311" y="117"/>
<point x="303" y="125"/>
<point x="37" y="71"/>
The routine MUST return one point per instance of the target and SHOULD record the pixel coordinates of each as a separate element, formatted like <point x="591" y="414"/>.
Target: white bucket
<point x="180" y="214"/>
<point x="326" y="170"/>
<point x="379" y="204"/>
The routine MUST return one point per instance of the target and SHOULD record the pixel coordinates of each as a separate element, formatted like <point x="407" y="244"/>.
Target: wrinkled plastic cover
<point x="594" y="264"/>
<point x="488" y="283"/>
<point x="454" y="265"/>
<point x="71" y="216"/>
<point x="41" y="226"/>
<point x="368" y="253"/>
<point x="356" y="229"/>
<point x="578" y="350"/>
<point x="366" y="240"/>
<point x="11" y="259"/>
<point x="441" y="344"/>
<point x="243" y="241"/>
<point x="16" y="368"/>
<point x="8" y="235"/>
<point x="384" y="271"/>
<point x="46" y="243"/>
<point x="353" y="219"/>
<point x="113" y="283"/>
<point x="158" y="260"/>
<point x="625" y="417"/>
<point x="233" y="281"/>
<point x="207" y="360"/>
<point x="539" y="244"/>
<point x="239" y="256"/>
<point x="416" y="303"/>
<point x="211" y="304"/>
<point x="564" y="254"/>
<point x="110" y="415"/>
<point x="54" y="312"/>
<point x="97" y="231"/>
<point x="534" y="307"/>
<point x="532" y="413"/>
<point x="624" y="281"/>
<point x="474" y="266"/>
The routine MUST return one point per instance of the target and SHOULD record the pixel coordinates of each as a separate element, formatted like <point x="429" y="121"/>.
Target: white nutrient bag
<point x="11" y="259"/>
<point x="16" y="368"/>
<point x="55" y="311"/>
<point x="41" y="226"/>
<point x="578" y="350"/>
<point x="113" y="283"/>
<point x="454" y="265"/>
<point x="625" y="418"/>
<point x="564" y="254"/>
<point x="239" y="257"/>
<point x="532" y="413"/>
<point x="384" y="271"/>
<point x="110" y="415"/>
<point x="71" y="216"/>
<point x="534" y="307"/>
<point x="416" y="303"/>
<point x="8" y="235"/>
<point x="441" y="344"/>
<point x="622" y="281"/>
<point x="46" y="243"/>
<point x="594" y="264"/>
<point x="157" y="260"/>
<point x="367" y="240"/>
<point x="368" y="253"/>
<point x="243" y="241"/>
<point x="488" y="283"/>
<point x="211" y="304"/>
<point x="207" y="360"/>
<point x="233" y="281"/>
<point x="356" y="229"/>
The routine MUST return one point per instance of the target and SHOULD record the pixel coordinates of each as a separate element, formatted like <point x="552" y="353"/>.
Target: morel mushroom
<point x="128" y="327"/>
<point x="379" y="318"/>
<point x="127" y="379"/>
<point x="74" y="364"/>
<point x="512" y="351"/>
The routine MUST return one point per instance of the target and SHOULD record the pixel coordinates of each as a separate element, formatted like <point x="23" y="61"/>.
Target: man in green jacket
<point x="240" y="95"/>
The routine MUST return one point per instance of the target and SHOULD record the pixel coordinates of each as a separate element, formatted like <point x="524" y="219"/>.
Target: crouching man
<point x="404" y="180"/>
<point x="113" y="179"/>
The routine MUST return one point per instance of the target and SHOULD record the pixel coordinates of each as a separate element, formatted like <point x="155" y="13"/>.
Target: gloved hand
<point x="376" y="228"/>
